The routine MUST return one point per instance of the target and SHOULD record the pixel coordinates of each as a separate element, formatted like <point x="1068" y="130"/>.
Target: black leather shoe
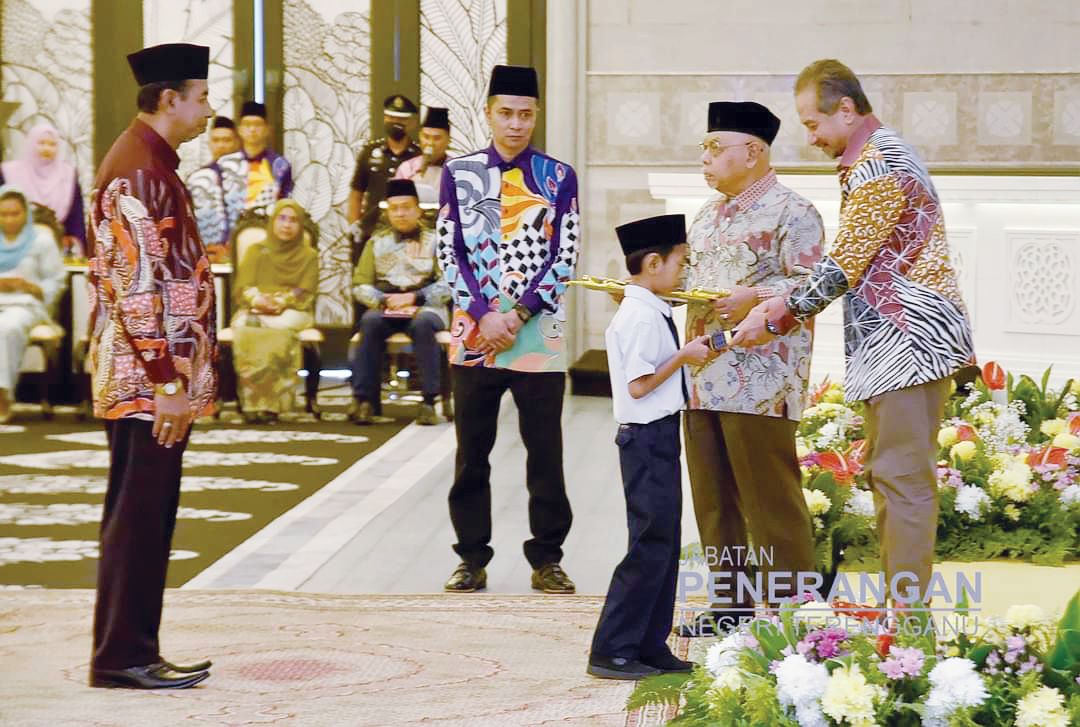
<point x="427" y="416"/>
<point x="466" y="579"/>
<point x="551" y="578"/>
<point x="190" y="668"/>
<point x="151" y="676"/>
<point x="713" y="623"/>
<point x="360" y="412"/>
<point x="618" y="667"/>
<point x="668" y="663"/>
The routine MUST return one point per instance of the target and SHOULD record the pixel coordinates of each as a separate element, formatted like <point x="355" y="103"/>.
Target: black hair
<point x="16" y="195"/>
<point x="150" y="94"/>
<point x="636" y="259"/>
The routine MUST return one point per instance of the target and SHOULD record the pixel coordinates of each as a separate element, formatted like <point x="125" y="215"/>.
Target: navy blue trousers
<point x="367" y="360"/>
<point x="639" y="608"/>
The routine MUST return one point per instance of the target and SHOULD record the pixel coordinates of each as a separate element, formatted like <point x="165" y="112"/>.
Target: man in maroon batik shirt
<point x="152" y="354"/>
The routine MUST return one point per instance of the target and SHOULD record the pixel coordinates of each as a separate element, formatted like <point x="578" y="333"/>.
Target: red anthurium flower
<point x="966" y="433"/>
<point x="843" y="470"/>
<point x="857" y="610"/>
<point x="884" y="643"/>
<point x="1074" y="423"/>
<point x="993" y="376"/>
<point x="1048" y="455"/>
<point x="819" y="391"/>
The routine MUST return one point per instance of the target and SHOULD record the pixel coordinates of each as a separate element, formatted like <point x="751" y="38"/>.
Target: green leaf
<point x="771" y="640"/>
<point x="1045" y="381"/>
<point x="1066" y="650"/>
<point x="979" y="653"/>
<point x="662" y="689"/>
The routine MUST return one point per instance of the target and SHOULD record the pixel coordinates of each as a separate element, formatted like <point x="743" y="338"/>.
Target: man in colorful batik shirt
<point x="152" y="353"/>
<point x="906" y="329"/>
<point x="756" y="238"/>
<point x="255" y="177"/>
<point x="508" y="232"/>
<point x="208" y="192"/>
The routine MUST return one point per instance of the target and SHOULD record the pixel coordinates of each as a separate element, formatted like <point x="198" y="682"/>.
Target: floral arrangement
<point x="1008" y="473"/>
<point x="795" y="671"/>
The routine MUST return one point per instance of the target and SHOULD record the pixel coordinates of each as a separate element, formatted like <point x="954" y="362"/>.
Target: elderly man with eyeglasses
<point x="758" y="239"/>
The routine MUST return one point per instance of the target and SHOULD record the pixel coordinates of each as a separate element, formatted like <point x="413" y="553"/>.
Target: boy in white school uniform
<point x="649" y="389"/>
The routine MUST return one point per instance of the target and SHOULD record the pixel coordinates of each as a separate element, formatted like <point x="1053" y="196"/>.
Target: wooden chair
<point x="250" y="229"/>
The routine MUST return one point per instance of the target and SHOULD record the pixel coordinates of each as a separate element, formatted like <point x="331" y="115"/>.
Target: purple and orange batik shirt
<point x="152" y="292"/>
<point x="509" y="234"/>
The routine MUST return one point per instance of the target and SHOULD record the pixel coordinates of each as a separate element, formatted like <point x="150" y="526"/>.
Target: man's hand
<point x="172" y="417"/>
<point x="498" y="331"/>
<point x="400" y="300"/>
<point x="752" y="331"/>
<point x="736" y="306"/>
<point x="697" y="351"/>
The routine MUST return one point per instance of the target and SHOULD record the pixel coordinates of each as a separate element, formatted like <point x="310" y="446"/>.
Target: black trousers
<point x="640" y="604"/>
<point x="368" y="357"/>
<point x="136" y="538"/>
<point x="539" y="399"/>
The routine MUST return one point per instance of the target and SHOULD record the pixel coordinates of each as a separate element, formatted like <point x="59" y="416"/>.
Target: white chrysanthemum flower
<point x="1045" y="707"/>
<point x="800" y="684"/>
<point x="1024" y="616"/>
<point x="861" y="503"/>
<point x="816" y="501"/>
<point x="954" y="684"/>
<point x="970" y="500"/>
<point x="724" y="654"/>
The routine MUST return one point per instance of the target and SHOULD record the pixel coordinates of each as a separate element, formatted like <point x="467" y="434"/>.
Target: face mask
<point x="395" y="131"/>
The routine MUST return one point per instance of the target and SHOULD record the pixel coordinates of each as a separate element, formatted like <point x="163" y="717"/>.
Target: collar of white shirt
<point x="646" y="296"/>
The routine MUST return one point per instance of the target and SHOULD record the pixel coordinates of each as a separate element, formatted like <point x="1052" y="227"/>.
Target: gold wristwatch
<point x="523" y="313"/>
<point x="171" y="388"/>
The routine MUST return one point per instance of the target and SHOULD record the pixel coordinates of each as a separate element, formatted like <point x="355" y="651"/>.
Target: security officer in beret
<point x="377" y="163"/>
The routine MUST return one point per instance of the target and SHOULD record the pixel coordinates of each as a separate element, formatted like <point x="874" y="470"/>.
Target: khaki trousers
<point x="901" y="436"/>
<point x="744" y="475"/>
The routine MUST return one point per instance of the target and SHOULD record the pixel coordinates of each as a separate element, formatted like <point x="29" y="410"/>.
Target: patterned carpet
<point x="237" y="478"/>
<point x="312" y="660"/>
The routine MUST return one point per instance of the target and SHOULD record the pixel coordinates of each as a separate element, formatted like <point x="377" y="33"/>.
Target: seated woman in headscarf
<point x="31" y="278"/>
<point x="275" y="298"/>
<point x="51" y="182"/>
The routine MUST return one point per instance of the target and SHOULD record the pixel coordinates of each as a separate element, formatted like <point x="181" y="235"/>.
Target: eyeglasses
<point x="715" y="149"/>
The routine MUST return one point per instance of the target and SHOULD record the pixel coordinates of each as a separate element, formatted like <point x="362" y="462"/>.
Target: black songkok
<point x="437" y="118"/>
<point x="223" y="122"/>
<point x="253" y="108"/>
<point x="401" y="188"/>
<point x="514" y="81"/>
<point x="399" y="106"/>
<point x="170" y="62"/>
<point x="661" y="231"/>
<point x="747" y="117"/>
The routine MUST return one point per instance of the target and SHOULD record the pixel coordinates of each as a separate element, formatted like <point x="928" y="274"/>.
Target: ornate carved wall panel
<point x="326" y="110"/>
<point x="205" y="22"/>
<point x="460" y="40"/>
<point x="47" y="70"/>
<point x="1044" y="272"/>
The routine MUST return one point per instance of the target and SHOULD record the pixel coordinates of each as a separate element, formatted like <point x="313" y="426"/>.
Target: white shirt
<point x="638" y="342"/>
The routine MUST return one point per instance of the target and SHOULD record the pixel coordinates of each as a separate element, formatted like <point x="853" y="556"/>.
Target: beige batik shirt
<point x="766" y="238"/>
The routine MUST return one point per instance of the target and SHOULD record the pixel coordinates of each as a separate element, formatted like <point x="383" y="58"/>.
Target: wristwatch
<point x="771" y="328"/>
<point x="523" y="313"/>
<point x="171" y="388"/>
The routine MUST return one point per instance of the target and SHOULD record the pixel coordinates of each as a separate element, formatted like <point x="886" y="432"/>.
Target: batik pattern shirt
<point x="222" y="190"/>
<point x="767" y="238"/>
<point x="509" y="234"/>
<point x="392" y="264"/>
<point x="152" y="303"/>
<point x="904" y="319"/>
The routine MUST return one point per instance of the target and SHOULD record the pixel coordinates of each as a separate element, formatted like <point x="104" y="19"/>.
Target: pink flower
<point x="903" y="663"/>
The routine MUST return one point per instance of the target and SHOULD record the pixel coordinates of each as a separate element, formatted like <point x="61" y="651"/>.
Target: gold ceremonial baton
<point x="611" y="285"/>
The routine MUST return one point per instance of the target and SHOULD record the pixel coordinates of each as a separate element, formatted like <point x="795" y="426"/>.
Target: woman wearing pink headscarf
<point x="49" y="181"/>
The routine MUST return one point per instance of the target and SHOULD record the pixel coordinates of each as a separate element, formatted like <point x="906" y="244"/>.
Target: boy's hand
<point x="697" y="352"/>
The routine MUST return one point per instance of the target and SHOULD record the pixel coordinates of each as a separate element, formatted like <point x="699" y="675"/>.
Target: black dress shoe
<point x="618" y="667"/>
<point x="713" y="623"/>
<point x="466" y="579"/>
<point x="190" y="668"/>
<point x="151" y="676"/>
<point x="668" y="663"/>
<point x="551" y="578"/>
<point x="360" y="412"/>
